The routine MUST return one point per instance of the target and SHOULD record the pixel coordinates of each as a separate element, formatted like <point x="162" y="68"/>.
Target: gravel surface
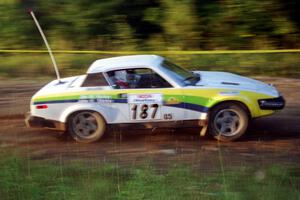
<point x="269" y="140"/>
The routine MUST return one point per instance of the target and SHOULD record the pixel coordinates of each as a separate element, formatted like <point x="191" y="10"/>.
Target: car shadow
<point x="262" y="129"/>
<point x="273" y="128"/>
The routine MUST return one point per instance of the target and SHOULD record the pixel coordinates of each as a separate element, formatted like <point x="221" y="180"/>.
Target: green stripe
<point x="197" y="100"/>
<point x="76" y="97"/>
<point x="202" y="101"/>
<point x="187" y="99"/>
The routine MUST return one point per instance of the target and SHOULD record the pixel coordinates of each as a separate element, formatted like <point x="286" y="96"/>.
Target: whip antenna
<point x="47" y="45"/>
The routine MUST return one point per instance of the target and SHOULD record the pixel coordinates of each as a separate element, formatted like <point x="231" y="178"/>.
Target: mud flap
<point x="203" y="130"/>
<point x="204" y="127"/>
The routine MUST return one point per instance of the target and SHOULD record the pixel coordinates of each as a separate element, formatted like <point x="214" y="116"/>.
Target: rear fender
<point x="102" y="110"/>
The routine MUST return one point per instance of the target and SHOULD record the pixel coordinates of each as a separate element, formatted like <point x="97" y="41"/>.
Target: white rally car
<point x="148" y="91"/>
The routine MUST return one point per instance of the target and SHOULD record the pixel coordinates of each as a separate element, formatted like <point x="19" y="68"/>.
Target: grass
<point x="275" y="64"/>
<point x="22" y="178"/>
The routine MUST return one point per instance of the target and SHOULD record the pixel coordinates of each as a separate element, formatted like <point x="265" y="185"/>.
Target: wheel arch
<point x="237" y="102"/>
<point x="72" y="110"/>
<point x="89" y="110"/>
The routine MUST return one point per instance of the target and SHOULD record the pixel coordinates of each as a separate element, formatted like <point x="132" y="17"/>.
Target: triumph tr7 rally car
<point x="148" y="91"/>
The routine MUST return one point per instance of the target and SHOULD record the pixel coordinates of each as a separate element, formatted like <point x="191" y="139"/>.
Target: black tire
<point x="228" y="121"/>
<point x="86" y="126"/>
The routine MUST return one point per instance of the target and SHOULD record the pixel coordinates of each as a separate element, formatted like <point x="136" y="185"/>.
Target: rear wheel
<point x="86" y="126"/>
<point x="228" y="121"/>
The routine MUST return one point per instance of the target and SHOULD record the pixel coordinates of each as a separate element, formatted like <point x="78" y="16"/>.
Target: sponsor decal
<point x="95" y="99"/>
<point x="145" y="99"/>
<point x="229" y="93"/>
<point x="172" y="100"/>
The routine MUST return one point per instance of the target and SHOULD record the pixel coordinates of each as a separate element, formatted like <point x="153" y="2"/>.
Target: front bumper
<point x="40" y="122"/>
<point x="272" y="104"/>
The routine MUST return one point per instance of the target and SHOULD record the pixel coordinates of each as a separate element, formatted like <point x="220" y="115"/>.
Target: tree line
<point x="152" y="25"/>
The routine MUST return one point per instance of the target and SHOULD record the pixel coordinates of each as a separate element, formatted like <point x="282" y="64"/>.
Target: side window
<point x="94" y="80"/>
<point x="136" y="78"/>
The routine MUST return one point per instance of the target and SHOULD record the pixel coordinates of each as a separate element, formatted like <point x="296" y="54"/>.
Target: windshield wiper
<point x="189" y="78"/>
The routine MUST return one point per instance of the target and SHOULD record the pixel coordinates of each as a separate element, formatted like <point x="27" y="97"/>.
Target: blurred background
<point x="157" y="25"/>
<point x="196" y="34"/>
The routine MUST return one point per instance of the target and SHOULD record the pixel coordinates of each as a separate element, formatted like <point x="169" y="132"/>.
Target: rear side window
<point x="94" y="80"/>
<point x="136" y="78"/>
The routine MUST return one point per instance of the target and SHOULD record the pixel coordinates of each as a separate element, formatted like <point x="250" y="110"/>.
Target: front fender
<point x="251" y="104"/>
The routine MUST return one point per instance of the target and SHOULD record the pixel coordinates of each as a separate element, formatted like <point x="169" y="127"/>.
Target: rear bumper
<point x="272" y="104"/>
<point x="40" y="122"/>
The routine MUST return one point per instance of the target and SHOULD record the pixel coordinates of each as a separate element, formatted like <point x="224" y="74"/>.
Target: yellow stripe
<point x="207" y="97"/>
<point x="154" y="52"/>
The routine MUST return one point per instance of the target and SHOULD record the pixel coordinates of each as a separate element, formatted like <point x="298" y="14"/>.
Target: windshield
<point x="179" y="74"/>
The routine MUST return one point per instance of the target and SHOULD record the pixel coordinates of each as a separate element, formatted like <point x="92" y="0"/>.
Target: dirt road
<point x="274" y="139"/>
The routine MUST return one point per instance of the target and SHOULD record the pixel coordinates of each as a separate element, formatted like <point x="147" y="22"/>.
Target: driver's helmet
<point x="130" y="76"/>
<point x="121" y="75"/>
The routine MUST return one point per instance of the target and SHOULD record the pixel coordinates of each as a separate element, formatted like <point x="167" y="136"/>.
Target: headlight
<point x="272" y="104"/>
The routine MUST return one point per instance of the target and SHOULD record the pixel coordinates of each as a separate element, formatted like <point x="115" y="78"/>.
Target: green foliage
<point x="254" y="24"/>
<point x="122" y="25"/>
<point x="39" y="65"/>
<point x="16" y="28"/>
<point x="22" y="178"/>
<point x="153" y="25"/>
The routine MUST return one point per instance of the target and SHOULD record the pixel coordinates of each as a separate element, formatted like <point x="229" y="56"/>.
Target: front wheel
<point x="228" y="121"/>
<point x="86" y="126"/>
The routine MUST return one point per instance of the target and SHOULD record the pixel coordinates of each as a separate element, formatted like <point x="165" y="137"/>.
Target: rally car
<point x="148" y="91"/>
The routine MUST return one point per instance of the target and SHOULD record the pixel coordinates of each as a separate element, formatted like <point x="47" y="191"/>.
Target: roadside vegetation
<point x="159" y="25"/>
<point x="39" y="65"/>
<point x="22" y="178"/>
<point x="152" y="25"/>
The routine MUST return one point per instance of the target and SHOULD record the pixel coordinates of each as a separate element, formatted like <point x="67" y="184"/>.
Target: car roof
<point x="118" y="62"/>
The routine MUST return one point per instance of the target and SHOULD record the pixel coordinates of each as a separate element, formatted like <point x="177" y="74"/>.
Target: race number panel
<point x="145" y="111"/>
<point x="145" y="106"/>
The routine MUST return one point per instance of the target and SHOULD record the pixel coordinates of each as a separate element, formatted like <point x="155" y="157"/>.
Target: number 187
<point x="144" y="110"/>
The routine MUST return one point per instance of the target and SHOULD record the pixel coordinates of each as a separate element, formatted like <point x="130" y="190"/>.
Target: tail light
<point x="41" y="107"/>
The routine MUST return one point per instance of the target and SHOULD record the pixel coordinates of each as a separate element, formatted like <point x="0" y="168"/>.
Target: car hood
<point x="233" y="81"/>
